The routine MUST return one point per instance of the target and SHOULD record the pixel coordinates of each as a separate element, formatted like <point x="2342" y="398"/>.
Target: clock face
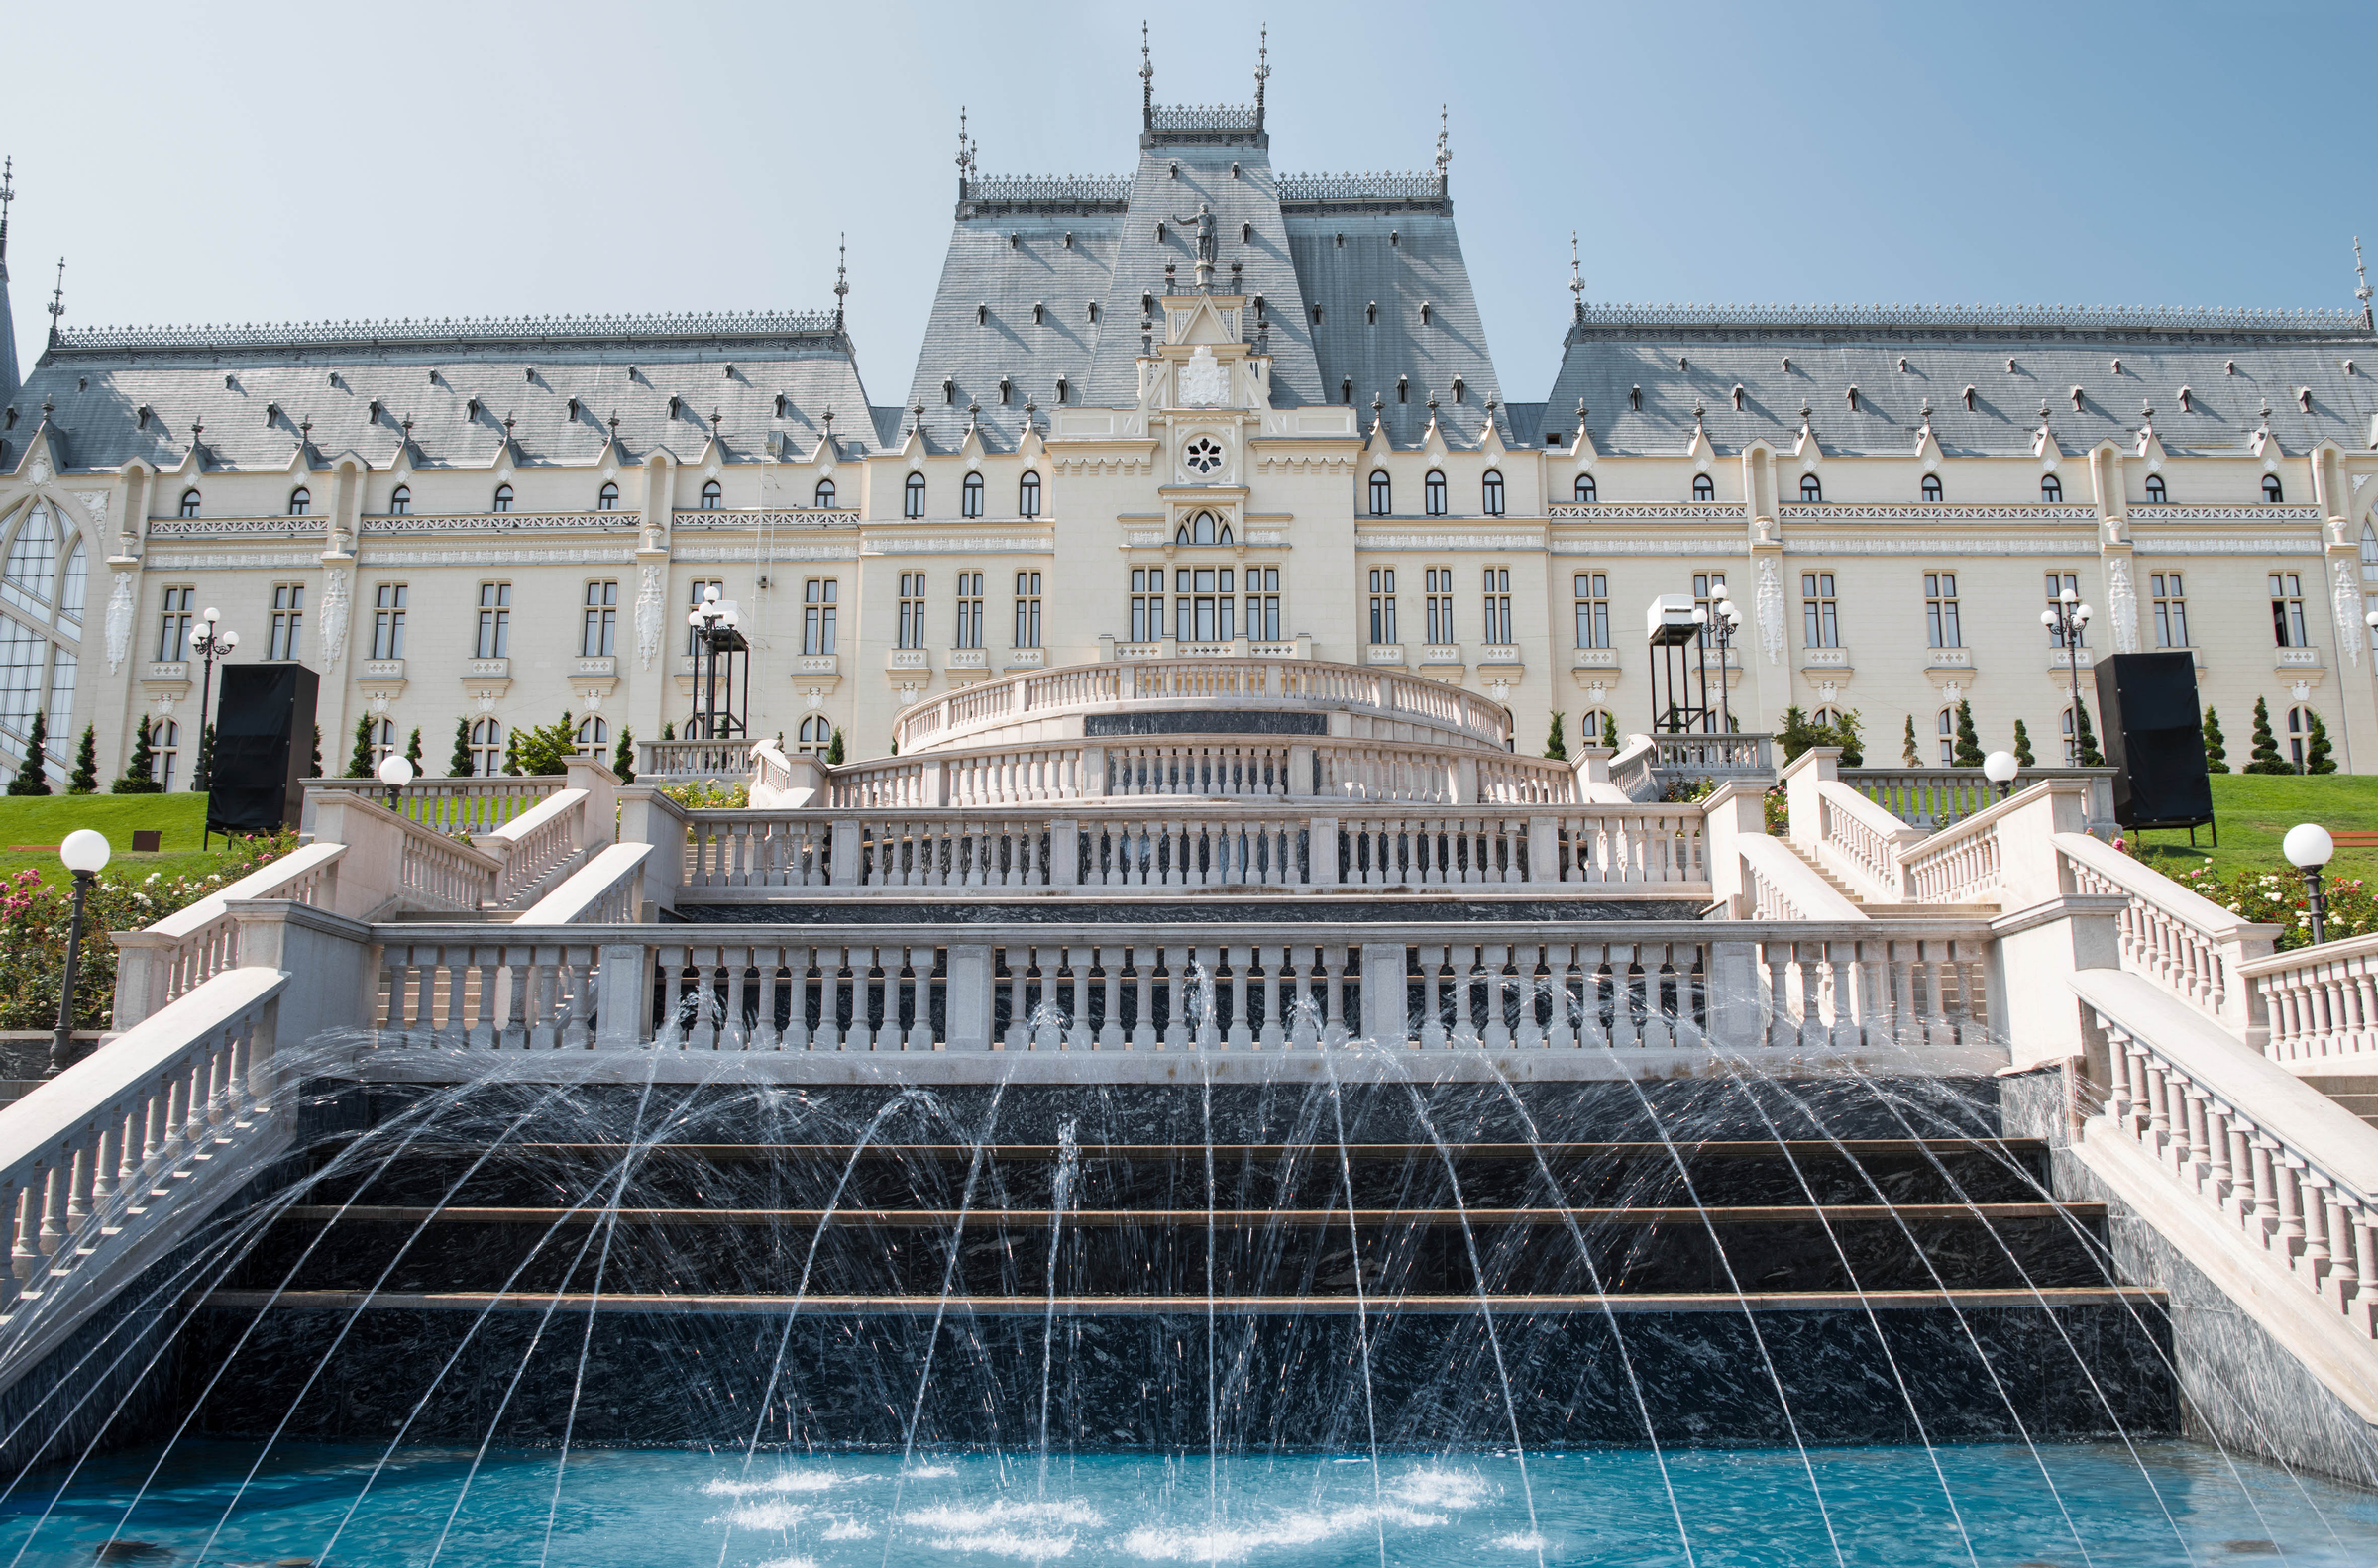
<point x="1204" y="455"/>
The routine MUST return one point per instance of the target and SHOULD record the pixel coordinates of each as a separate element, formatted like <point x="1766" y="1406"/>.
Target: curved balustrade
<point x="164" y="962"/>
<point x="1294" y="684"/>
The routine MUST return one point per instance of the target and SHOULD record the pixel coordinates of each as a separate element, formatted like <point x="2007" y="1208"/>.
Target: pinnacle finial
<point x="841" y="278"/>
<point x="1262" y="70"/>
<point x="1444" y="151"/>
<point x="57" y="300"/>
<point x="2361" y="276"/>
<point x="1576" y="282"/>
<point x="965" y="145"/>
<point x="1148" y="78"/>
<point x="8" y="193"/>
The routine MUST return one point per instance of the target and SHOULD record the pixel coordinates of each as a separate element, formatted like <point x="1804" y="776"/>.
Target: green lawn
<point x="31" y="828"/>
<point x="2256" y="810"/>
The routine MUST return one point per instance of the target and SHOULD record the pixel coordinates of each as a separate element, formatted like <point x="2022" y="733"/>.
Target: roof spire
<point x="1263" y="75"/>
<point x="841" y="278"/>
<point x="8" y="193"/>
<point x="57" y="300"/>
<point x="1148" y="81"/>
<point x="1445" y="152"/>
<point x="8" y="327"/>
<point x="2361" y="276"/>
<point x="1576" y="285"/>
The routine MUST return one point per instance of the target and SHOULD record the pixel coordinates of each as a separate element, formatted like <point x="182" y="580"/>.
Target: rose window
<point x="1205" y="455"/>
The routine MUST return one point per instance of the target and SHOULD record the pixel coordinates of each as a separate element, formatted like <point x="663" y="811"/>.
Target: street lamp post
<point x="2307" y="846"/>
<point x="1728" y="622"/>
<point x="2067" y="619"/>
<point x="715" y="626"/>
<point x="396" y="772"/>
<point x="85" y="852"/>
<point x="209" y="645"/>
<point x="1999" y="768"/>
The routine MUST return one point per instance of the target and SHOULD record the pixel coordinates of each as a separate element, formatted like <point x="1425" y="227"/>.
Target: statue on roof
<point x="1204" y="233"/>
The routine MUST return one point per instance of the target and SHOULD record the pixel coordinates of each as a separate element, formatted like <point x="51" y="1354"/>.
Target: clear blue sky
<point x="246" y="162"/>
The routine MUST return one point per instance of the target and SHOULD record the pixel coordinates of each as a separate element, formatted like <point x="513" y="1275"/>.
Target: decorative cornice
<point x="1574" y="546"/>
<point x="667" y="327"/>
<point x="1854" y="512"/>
<point x="2094" y="318"/>
<point x="1655" y="512"/>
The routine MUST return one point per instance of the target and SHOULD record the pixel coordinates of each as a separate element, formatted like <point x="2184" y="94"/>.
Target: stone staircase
<point x="1887" y="911"/>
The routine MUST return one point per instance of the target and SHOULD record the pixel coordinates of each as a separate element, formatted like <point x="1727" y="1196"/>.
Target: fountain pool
<point x="2167" y="1503"/>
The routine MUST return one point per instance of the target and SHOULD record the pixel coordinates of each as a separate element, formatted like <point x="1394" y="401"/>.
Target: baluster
<point x="2287" y="1174"/>
<point x="1274" y="1034"/>
<point x="1144" y="1022"/>
<point x="78" y="1185"/>
<point x="1561" y="1032"/>
<point x="2340" y="1283"/>
<point x="52" y="1233"/>
<point x="25" y="1255"/>
<point x="1626" y="1017"/>
<point x="1525" y="960"/>
<point x="1110" y="1026"/>
<point x="1498" y="1028"/>
<point x="1242" y="1035"/>
<point x="1433" y="1001"/>
<point x="1333" y="965"/>
<point x="2364" y="1306"/>
<point x="798" y="961"/>
<point x="2313" y="1204"/>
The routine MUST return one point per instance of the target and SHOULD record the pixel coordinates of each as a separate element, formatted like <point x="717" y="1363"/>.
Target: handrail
<point x="1859" y="841"/>
<point x="1935" y="797"/>
<point x="600" y="892"/>
<point x="2267" y="1155"/>
<point x="2181" y="941"/>
<point x="453" y="806"/>
<point x="536" y="844"/>
<point x="2321" y="1002"/>
<point x="167" y="959"/>
<point x="1781" y="887"/>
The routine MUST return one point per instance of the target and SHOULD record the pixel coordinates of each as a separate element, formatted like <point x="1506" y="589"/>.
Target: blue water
<point x="2174" y="1504"/>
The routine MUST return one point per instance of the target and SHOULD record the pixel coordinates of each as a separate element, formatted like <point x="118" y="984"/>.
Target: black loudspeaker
<point x="2155" y="739"/>
<point x="264" y="743"/>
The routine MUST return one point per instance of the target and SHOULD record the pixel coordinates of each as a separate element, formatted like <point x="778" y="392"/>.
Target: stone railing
<point x="1862" y="844"/>
<point x="2264" y="1156"/>
<point x="446" y="805"/>
<point x="110" y="1162"/>
<point x="537" y="848"/>
<point x="730" y="757"/>
<point x="162" y="963"/>
<point x="1293" y="684"/>
<point x="2318" y="1002"/>
<point x="1964" y="864"/>
<point x="1778" y="885"/>
<point x="1720" y="756"/>
<point x="1934" y="798"/>
<point x="1659" y="987"/>
<point x="2185" y="944"/>
<point x="1634" y="771"/>
<point x="606" y="890"/>
<point x="1615" y="851"/>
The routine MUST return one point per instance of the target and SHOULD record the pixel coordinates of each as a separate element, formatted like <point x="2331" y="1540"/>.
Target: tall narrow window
<point x="2059" y="583"/>
<point x="189" y="503"/>
<point x="816" y="735"/>
<point x="1490" y="492"/>
<point x="970" y="609"/>
<point x="503" y="498"/>
<point x="819" y="610"/>
<point x="1931" y="488"/>
<point x="2051" y="488"/>
<point x="1821" y="614"/>
<point x="593" y="735"/>
<point x="1028" y="494"/>
<point x="1708" y="593"/>
<point x="2170" y="609"/>
<point x="301" y="502"/>
<point x="598" y="635"/>
<point x="1945" y="726"/>
<point x="25" y="581"/>
<point x="2298" y="730"/>
<point x="1812" y="488"/>
<point x="174" y="626"/>
<point x="1498" y="601"/>
<point x="286" y="638"/>
<point x="1433" y="492"/>
<point x="1940" y="610"/>
<point x="1704" y="488"/>
<point x="970" y="496"/>
<point x="1203" y="607"/>
<point x="486" y="748"/>
<point x="607" y="499"/>
<point x="1027" y="610"/>
<point x="1382" y="604"/>
<point x="713" y="497"/>
<point x="1382" y="493"/>
<point x="1263" y="604"/>
<point x="912" y="610"/>
<point x="2272" y="491"/>
<point x="165" y="740"/>
<point x="912" y="501"/>
<point x="2287" y="610"/>
<point x="401" y="501"/>
<point x="1439" y="583"/>
<point x="823" y="499"/>
<point x="1148" y="605"/>
<point x="1584" y="489"/>
<point x="388" y="620"/>
<point x="494" y="621"/>
<point x="1592" y="592"/>
<point x="2158" y="493"/>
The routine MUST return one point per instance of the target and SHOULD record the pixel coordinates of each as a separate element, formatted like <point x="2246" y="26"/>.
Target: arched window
<point x="26" y="581"/>
<point x="2156" y="493"/>
<point x="1585" y="490"/>
<point x="486" y="748"/>
<point x="1592" y="724"/>
<point x="2072" y="746"/>
<point x="607" y="499"/>
<point x="1382" y="494"/>
<point x="1812" y="488"/>
<point x="1931" y="488"/>
<point x="189" y="503"/>
<point x="816" y="735"/>
<point x="1202" y="530"/>
<point x="1491" y="492"/>
<point x="1947" y="727"/>
<point x="503" y="498"/>
<point x="1704" y="488"/>
<point x="912" y="502"/>
<point x="970" y="496"/>
<point x="165" y="740"/>
<point x="712" y="496"/>
<point x="401" y="501"/>
<point x="1028" y="494"/>
<point x="2051" y="488"/>
<point x="70" y="586"/>
<point x="301" y="502"/>
<point x="593" y="734"/>
<point x="824" y="501"/>
<point x="1433" y="492"/>
<point x="2299" y="734"/>
<point x="2272" y="491"/>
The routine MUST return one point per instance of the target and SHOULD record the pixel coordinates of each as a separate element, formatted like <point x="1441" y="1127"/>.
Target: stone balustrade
<point x="1935" y="797"/>
<point x="164" y="962"/>
<point x="2317" y="1003"/>
<point x="2186" y="945"/>
<point x="444" y="805"/>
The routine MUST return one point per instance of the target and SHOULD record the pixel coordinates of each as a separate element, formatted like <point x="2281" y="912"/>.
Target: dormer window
<point x="1813" y="491"/>
<point x="1147" y="304"/>
<point x="1969" y="399"/>
<point x="1424" y="312"/>
<point x="2303" y="398"/>
<point x="1039" y="312"/>
<point x="1346" y="391"/>
<point x="1459" y="387"/>
<point x="780" y="405"/>
<point x="2157" y="495"/>
<point x="1317" y="315"/>
<point x="1247" y="231"/>
<point x="949" y="389"/>
<point x="982" y="315"/>
<point x="1094" y="313"/>
<point x="674" y="403"/>
<point x="189" y="503"/>
<point x="1004" y="385"/>
<point x="712" y="496"/>
<point x="1403" y="389"/>
<point x="2187" y="401"/>
<point x="1635" y="399"/>
<point x="607" y="499"/>
<point x="503" y="500"/>
<point x="301" y="502"/>
<point x="1064" y="391"/>
<point x="140" y="418"/>
<point x="1371" y="314"/>
<point x="1259" y="310"/>
<point x="1737" y="398"/>
<point x="1852" y="395"/>
<point x="2076" y="399"/>
<point x="272" y="413"/>
<point x="1902" y="365"/>
<point x="1931" y="488"/>
<point x="401" y="501"/>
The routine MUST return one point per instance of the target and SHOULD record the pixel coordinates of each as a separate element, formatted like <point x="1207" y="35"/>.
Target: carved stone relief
<point x="119" y="622"/>
<point x="334" y="615"/>
<point x="648" y="615"/>
<point x="1770" y="610"/>
<point x="2347" y="599"/>
<point x="2121" y="601"/>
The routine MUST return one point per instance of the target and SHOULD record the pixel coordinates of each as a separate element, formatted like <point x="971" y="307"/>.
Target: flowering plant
<point x="35" y="915"/>
<point x="2279" y="898"/>
<point x="710" y="795"/>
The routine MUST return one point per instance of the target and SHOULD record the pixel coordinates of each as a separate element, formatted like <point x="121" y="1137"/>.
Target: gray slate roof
<point x="230" y="383"/>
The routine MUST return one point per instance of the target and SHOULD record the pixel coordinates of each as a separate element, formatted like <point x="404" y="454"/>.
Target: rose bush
<point x="2278" y="899"/>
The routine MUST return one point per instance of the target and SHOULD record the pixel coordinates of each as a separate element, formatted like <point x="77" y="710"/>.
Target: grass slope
<point x="2256" y="810"/>
<point x="32" y="827"/>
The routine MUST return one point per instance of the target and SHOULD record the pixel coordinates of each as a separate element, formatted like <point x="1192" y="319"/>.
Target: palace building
<point x="1207" y="409"/>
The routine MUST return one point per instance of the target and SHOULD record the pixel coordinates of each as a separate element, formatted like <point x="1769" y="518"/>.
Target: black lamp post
<point x="209" y="645"/>
<point x="717" y="627"/>
<point x="2307" y="846"/>
<point x="84" y="853"/>
<point x="1727" y="622"/>
<point x="2068" y="618"/>
<point x="1999" y="768"/>
<point x="396" y="771"/>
